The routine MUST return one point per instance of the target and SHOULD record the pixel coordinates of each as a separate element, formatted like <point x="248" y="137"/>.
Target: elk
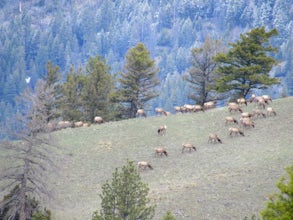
<point x="213" y="138"/>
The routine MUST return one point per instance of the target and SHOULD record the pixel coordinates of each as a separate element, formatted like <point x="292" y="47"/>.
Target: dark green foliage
<point x="280" y="206"/>
<point x="246" y="65"/>
<point x="169" y="216"/>
<point x="98" y="85"/>
<point x="125" y="197"/>
<point x="139" y="81"/>
<point x="71" y="102"/>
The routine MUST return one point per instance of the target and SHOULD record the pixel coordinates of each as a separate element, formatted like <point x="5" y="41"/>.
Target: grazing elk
<point x="142" y="165"/>
<point x="141" y="113"/>
<point x="213" y="138"/>
<point x="209" y="105"/>
<point x="271" y="111"/>
<point x="257" y="112"/>
<point x="99" y="120"/>
<point x="162" y="130"/>
<point x="247" y="122"/>
<point x="161" y="151"/>
<point x="188" y="146"/>
<point x="230" y="120"/>
<point x="234" y="108"/>
<point x="241" y="101"/>
<point x="160" y="111"/>
<point x="235" y="131"/>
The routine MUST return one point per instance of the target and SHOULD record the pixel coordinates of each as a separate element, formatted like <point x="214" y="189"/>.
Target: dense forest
<point x="69" y="32"/>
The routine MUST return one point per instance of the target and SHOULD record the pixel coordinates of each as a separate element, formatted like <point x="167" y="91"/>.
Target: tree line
<point x="67" y="33"/>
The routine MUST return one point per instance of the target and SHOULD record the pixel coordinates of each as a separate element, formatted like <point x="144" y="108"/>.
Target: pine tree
<point x="97" y="89"/>
<point x="139" y="80"/>
<point x="125" y="197"/>
<point x="246" y="65"/>
<point x="280" y="207"/>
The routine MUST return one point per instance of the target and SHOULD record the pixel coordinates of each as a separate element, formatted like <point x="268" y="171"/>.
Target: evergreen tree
<point x="202" y="73"/>
<point x="139" y="80"/>
<point x="280" y="207"/>
<point x="71" y="104"/>
<point x="125" y="197"/>
<point x="246" y="65"/>
<point x="97" y="89"/>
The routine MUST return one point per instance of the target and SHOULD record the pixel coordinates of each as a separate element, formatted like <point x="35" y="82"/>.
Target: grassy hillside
<point x="219" y="181"/>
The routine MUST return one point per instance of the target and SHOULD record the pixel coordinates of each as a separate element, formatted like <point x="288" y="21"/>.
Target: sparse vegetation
<point x="222" y="181"/>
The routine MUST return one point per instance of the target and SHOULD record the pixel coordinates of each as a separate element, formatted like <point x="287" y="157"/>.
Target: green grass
<point x="219" y="181"/>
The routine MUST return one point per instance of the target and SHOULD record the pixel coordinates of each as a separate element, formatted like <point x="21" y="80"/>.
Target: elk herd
<point x="236" y="126"/>
<point x="238" y="120"/>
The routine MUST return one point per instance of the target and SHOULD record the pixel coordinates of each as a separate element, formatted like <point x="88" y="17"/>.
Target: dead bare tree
<point x="29" y="153"/>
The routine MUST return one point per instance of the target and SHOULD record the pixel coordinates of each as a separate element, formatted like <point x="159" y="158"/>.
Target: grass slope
<point x="219" y="181"/>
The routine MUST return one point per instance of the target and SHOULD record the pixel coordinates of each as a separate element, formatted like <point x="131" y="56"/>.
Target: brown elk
<point x="230" y="120"/>
<point x="271" y="111"/>
<point x="162" y="130"/>
<point x="213" y="138"/>
<point x="247" y="122"/>
<point x="188" y="146"/>
<point x="141" y="112"/>
<point x="160" y="111"/>
<point x="234" y="108"/>
<point x="142" y="165"/>
<point x="161" y="151"/>
<point x="241" y="101"/>
<point x="99" y="120"/>
<point x="235" y="131"/>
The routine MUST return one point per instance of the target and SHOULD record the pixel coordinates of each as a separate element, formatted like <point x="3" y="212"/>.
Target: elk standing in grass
<point x="230" y="120"/>
<point x="213" y="138"/>
<point x="142" y="165"/>
<point x="188" y="146"/>
<point x="235" y="131"/>
<point x="141" y="113"/>
<point x="161" y="151"/>
<point x="162" y="130"/>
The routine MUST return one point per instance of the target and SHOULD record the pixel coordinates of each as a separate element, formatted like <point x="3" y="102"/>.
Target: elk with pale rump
<point x="161" y="151"/>
<point x="162" y="130"/>
<point x="99" y="120"/>
<point x="230" y="120"/>
<point x="188" y="146"/>
<point x="213" y="138"/>
<point x="235" y="131"/>
<point x="141" y="113"/>
<point x="142" y="165"/>
<point x="271" y="111"/>
<point x="160" y="111"/>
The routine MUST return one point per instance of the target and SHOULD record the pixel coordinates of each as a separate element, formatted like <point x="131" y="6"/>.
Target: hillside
<point x="219" y="181"/>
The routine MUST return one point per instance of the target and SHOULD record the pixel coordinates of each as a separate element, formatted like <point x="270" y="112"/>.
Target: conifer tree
<point x="246" y="65"/>
<point x="97" y="88"/>
<point x="125" y="197"/>
<point x="280" y="207"/>
<point x="139" y="81"/>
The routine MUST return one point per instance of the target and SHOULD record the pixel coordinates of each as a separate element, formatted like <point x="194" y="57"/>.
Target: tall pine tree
<point x="247" y="64"/>
<point x="138" y="81"/>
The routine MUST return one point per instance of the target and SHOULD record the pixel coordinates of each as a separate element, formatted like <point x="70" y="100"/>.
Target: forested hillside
<point x="67" y="33"/>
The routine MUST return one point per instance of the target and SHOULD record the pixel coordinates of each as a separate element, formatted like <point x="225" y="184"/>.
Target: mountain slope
<point x="219" y="181"/>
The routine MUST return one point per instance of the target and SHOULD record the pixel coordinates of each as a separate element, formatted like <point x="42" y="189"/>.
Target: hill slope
<point x="219" y="181"/>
